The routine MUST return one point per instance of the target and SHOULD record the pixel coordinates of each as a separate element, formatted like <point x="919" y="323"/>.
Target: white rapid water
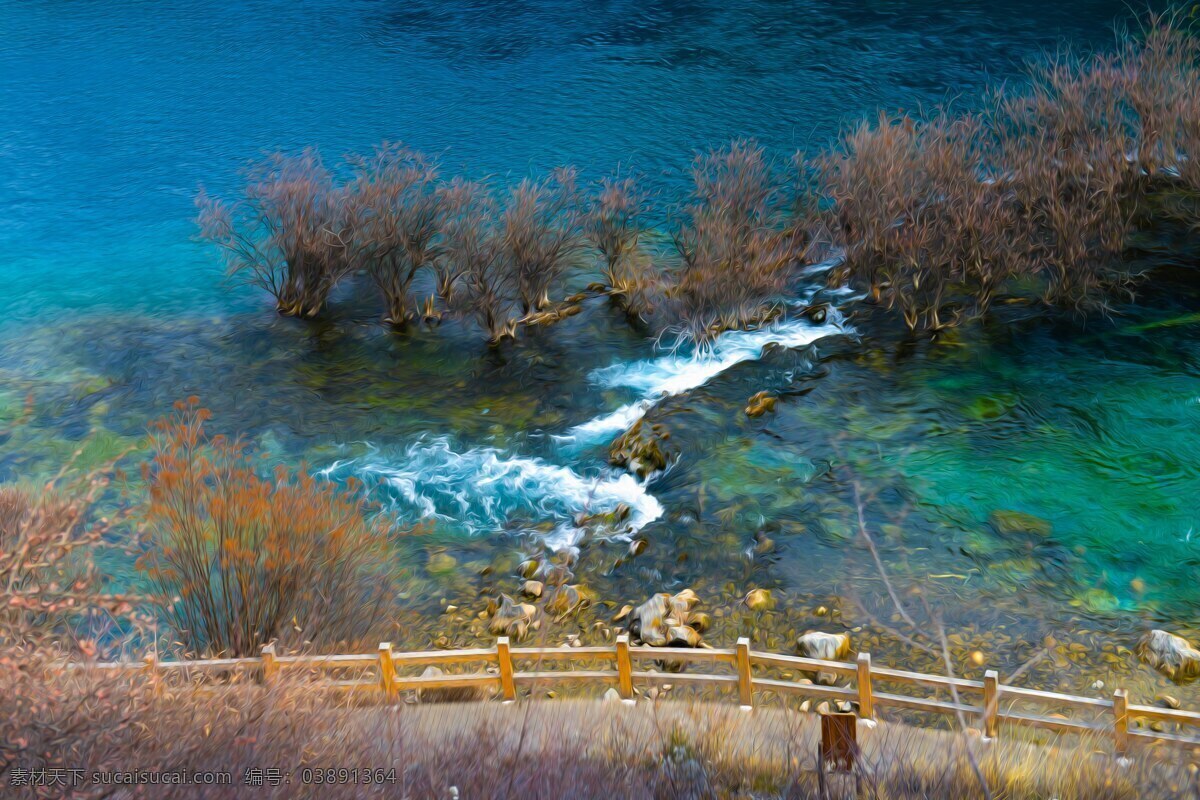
<point x="483" y="489"/>
<point x="666" y="375"/>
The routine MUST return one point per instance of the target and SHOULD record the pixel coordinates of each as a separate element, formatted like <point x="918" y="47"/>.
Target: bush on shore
<point x="238" y="560"/>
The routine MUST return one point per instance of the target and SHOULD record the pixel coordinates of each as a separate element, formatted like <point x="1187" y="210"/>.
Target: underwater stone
<point x="441" y="563"/>
<point x="759" y="600"/>
<point x="1006" y="521"/>
<point x="760" y="404"/>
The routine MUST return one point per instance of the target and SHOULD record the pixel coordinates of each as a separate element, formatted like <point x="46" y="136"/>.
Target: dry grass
<point x="563" y="748"/>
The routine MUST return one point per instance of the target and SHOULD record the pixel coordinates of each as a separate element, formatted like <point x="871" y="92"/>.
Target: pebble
<point x="1166" y="700"/>
<point x="759" y="599"/>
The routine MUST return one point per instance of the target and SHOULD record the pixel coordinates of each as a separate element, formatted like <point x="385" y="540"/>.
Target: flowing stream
<point x="1036" y="478"/>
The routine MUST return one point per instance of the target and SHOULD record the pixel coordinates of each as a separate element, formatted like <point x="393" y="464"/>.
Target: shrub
<point x="613" y="225"/>
<point x="238" y="560"/>
<point x="397" y="214"/>
<point x="480" y="286"/>
<point x="50" y="592"/>
<point x="539" y="235"/>
<point x="289" y="234"/>
<point x="734" y="253"/>
<point x="1063" y="156"/>
<point x="919" y="228"/>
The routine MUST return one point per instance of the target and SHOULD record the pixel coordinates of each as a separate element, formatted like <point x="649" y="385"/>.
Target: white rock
<point x="1171" y="655"/>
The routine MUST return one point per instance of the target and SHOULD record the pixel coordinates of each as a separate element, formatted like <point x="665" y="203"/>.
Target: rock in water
<point x="643" y="449"/>
<point x="759" y="600"/>
<point x="1007" y="522"/>
<point x="826" y="646"/>
<point x="760" y="404"/>
<point x="1171" y="655"/>
<point x="511" y="619"/>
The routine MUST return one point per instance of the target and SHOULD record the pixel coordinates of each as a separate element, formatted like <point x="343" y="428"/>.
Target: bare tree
<point x="734" y="250"/>
<point x="288" y="234"/>
<point x="397" y="213"/>
<point x="475" y="280"/>
<point x="540" y="234"/>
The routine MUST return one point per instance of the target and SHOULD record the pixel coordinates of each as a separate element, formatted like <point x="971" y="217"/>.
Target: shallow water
<point x="110" y="119"/>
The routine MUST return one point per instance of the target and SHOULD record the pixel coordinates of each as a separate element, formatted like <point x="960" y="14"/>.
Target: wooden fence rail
<point x="988" y="702"/>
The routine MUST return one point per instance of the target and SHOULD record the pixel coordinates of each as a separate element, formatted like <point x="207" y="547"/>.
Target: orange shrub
<point x="239" y="560"/>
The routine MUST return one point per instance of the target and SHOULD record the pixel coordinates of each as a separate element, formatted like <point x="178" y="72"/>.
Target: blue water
<point x="111" y="115"/>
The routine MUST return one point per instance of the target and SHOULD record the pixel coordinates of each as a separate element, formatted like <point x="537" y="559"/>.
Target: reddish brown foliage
<point x="239" y="560"/>
<point x="48" y="580"/>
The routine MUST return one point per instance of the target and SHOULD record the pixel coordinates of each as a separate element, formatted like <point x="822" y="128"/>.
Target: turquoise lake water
<point x="112" y="117"/>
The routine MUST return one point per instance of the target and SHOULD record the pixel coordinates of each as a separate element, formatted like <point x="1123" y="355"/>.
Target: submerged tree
<point x="397" y="214"/>
<point x="539" y="235"/>
<point x="477" y="282"/>
<point x="289" y="234"/>
<point x="613" y="224"/>
<point x="734" y="250"/>
<point x="919" y="228"/>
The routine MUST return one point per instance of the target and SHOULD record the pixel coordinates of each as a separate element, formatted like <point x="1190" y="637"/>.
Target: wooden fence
<point x="992" y="704"/>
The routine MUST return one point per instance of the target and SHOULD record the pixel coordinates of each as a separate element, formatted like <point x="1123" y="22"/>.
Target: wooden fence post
<point x="504" y="656"/>
<point x="866" y="700"/>
<point x="624" y="668"/>
<point x="745" y="680"/>
<point x="1121" y="722"/>
<point x="387" y="672"/>
<point x="270" y="667"/>
<point x="991" y="703"/>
